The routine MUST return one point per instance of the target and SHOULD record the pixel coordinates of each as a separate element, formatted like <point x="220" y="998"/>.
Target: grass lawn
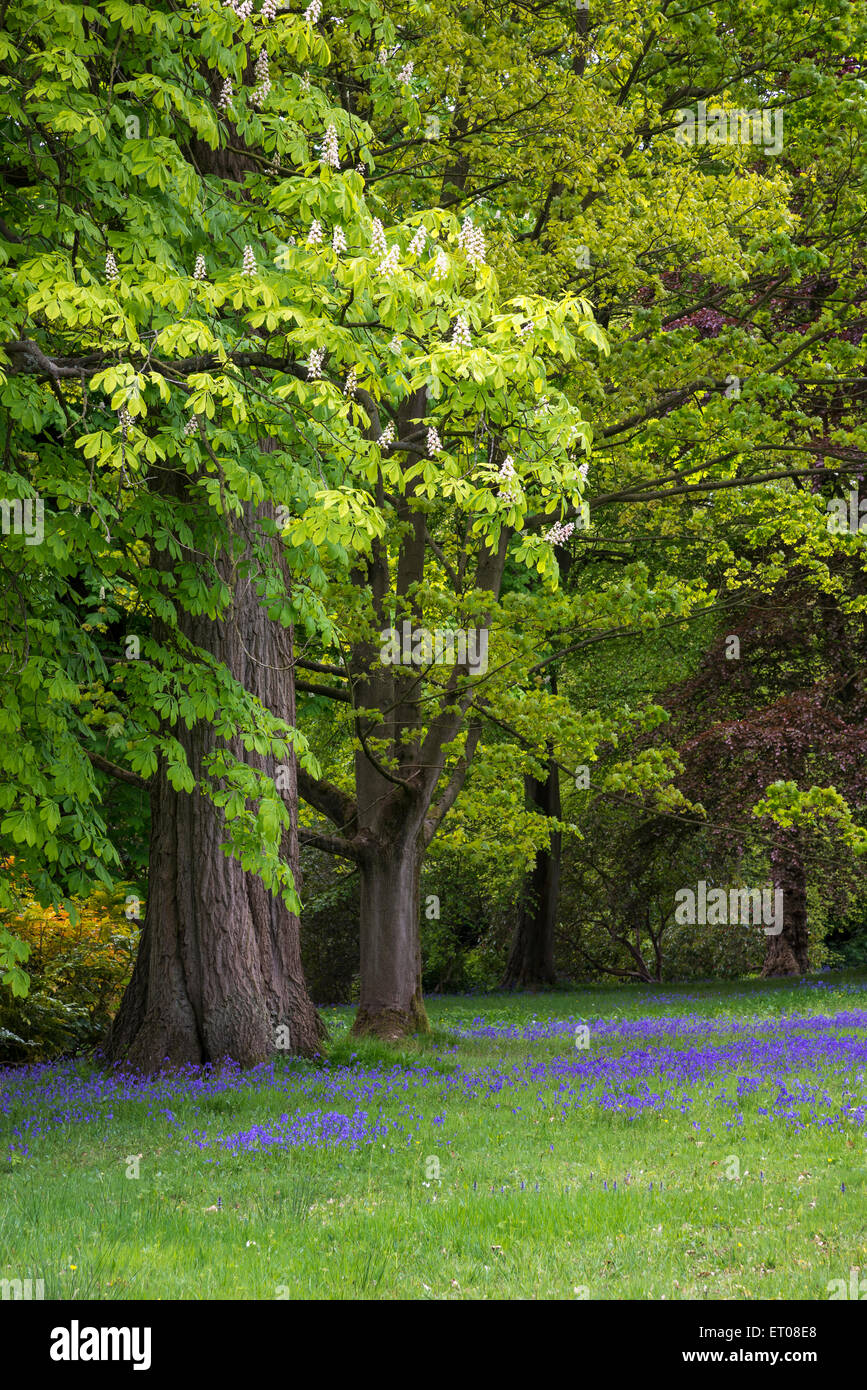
<point x="708" y="1142"/>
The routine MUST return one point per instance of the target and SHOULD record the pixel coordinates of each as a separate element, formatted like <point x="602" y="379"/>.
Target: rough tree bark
<point x="531" y="958"/>
<point x="789" y="953"/>
<point x="390" y="1003"/>
<point x="219" y="963"/>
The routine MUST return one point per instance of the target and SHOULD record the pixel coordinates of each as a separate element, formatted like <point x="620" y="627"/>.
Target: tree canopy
<point x="370" y="383"/>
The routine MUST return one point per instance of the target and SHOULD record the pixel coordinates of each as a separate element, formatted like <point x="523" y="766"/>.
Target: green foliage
<point x="12" y="953"/>
<point x="78" y="964"/>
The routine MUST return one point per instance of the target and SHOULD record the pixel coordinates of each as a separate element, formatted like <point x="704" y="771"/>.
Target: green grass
<point x="372" y="1223"/>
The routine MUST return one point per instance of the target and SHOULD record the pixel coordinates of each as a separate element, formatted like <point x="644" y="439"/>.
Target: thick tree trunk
<point x="391" y="1003"/>
<point x="219" y="969"/>
<point x="219" y="965"/>
<point x="531" y="958"/>
<point x="788" y="953"/>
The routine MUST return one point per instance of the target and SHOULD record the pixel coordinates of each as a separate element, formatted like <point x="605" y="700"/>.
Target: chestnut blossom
<point x="263" y="78"/>
<point x="390" y="263"/>
<point x="559" y="532"/>
<point x="416" y="246"/>
<point x="508" y="477"/>
<point x="330" y="151"/>
<point x="472" y="241"/>
<point x="377" y="238"/>
<point x="461" y="333"/>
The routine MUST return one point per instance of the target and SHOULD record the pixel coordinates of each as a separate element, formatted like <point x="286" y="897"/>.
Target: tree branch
<point x="454" y="785"/>
<point x="330" y="844"/>
<point x="308" y="688"/>
<point x="120" y="773"/>
<point x="324" y="797"/>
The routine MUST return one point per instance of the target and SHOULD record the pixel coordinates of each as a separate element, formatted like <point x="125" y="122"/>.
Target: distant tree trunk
<point x="391" y="1004"/>
<point x="391" y="821"/>
<point x="531" y="958"/>
<point x="219" y="964"/>
<point x="788" y="953"/>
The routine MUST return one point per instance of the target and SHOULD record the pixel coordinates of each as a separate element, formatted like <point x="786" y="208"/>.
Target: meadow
<point x="708" y="1142"/>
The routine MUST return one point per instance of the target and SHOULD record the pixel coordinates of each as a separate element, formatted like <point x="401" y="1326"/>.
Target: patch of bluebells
<point x="60" y="1095"/>
<point x="800" y="1071"/>
<point x="694" y="1025"/>
<point x="319" y="1129"/>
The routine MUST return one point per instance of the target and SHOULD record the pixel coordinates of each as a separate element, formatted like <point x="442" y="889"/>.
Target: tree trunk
<point x="531" y="958"/>
<point x="219" y="965"/>
<point x="391" y="1003"/>
<point x="219" y="969"/>
<point x="788" y="953"/>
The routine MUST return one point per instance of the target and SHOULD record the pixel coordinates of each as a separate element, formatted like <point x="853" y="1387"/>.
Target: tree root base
<point x="391" y="1025"/>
